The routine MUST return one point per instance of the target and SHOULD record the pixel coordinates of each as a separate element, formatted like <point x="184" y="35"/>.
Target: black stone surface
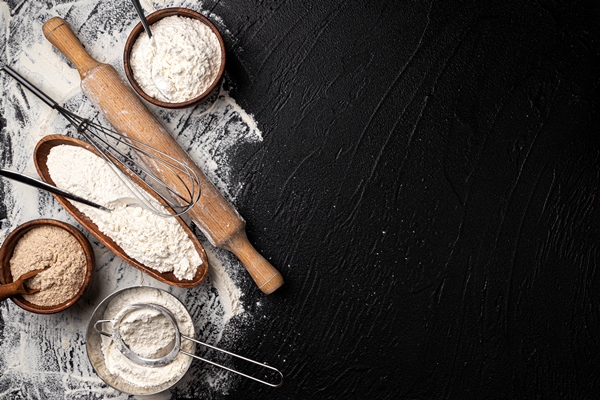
<point x="428" y="186"/>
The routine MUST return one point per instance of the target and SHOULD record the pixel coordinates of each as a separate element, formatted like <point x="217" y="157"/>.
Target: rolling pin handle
<point x="266" y="277"/>
<point x="58" y="32"/>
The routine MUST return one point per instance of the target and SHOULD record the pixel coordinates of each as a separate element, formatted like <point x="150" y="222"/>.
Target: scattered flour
<point x="31" y="346"/>
<point x="144" y="331"/>
<point x="231" y="301"/>
<point x="180" y="62"/>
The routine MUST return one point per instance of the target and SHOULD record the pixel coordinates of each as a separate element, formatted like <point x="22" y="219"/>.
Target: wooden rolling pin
<point x="217" y="219"/>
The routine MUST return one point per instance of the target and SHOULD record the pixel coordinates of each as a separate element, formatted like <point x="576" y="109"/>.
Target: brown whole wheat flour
<point x="63" y="257"/>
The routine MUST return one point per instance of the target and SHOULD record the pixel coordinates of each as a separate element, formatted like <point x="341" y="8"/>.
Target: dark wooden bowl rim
<point x="139" y="29"/>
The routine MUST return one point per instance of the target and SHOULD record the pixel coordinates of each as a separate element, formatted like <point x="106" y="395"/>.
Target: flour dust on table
<point x="43" y="356"/>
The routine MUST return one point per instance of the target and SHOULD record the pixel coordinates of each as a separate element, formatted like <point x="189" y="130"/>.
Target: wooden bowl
<point x="41" y="157"/>
<point x="139" y="29"/>
<point x="6" y="253"/>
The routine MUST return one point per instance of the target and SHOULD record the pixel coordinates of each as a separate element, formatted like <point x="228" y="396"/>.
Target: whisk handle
<point x="43" y="96"/>
<point x="59" y="33"/>
<point x="47" y="187"/>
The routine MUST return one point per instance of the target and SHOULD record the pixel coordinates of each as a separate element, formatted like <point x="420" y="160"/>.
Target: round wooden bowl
<point x="6" y="253"/>
<point x="139" y="30"/>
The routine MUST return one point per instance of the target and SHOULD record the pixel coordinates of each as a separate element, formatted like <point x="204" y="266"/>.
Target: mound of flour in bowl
<point x="157" y="242"/>
<point x="179" y="63"/>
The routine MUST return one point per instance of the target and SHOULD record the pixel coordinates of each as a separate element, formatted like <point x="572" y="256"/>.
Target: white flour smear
<point x="43" y="356"/>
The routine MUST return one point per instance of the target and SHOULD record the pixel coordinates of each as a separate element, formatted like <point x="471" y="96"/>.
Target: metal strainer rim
<point x="126" y="350"/>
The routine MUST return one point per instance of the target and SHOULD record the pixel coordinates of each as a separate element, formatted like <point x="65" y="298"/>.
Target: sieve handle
<point x="262" y="365"/>
<point x="98" y="327"/>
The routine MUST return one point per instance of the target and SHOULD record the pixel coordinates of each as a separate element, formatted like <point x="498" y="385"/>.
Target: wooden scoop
<point x="217" y="219"/>
<point x="18" y="287"/>
<point x="41" y="158"/>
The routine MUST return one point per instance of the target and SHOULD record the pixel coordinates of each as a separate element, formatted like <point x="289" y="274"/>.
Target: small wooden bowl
<point x="41" y="157"/>
<point x="6" y="253"/>
<point x="139" y="29"/>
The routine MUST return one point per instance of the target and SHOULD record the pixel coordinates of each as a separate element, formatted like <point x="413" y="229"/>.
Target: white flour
<point x="179" y="63"/>
<point x="156" y="242"/>
<point x="147" y="333"/>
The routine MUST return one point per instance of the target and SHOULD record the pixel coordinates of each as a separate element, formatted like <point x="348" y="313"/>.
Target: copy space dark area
<point x="428" y="186"/>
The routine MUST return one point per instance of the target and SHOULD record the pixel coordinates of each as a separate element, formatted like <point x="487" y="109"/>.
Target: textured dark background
<point x="428" y="186"/>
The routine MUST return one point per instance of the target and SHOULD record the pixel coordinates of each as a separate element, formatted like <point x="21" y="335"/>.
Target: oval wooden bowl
<point x="42" y="150"/>
<point x="6" y="253"/>
<point x="139" y="29"/>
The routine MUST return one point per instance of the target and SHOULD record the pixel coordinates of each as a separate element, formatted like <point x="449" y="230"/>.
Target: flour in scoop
<point x="179" y="63"/>
<point x="157" y="242"/>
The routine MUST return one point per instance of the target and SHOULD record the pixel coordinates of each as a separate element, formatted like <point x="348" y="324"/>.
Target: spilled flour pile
<point x="45" y="357"/>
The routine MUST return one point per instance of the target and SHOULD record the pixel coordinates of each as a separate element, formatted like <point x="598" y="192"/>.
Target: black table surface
<point x="428" y="187"/>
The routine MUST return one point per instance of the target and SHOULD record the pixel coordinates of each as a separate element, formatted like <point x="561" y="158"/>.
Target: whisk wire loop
<point x="123" y="154"/>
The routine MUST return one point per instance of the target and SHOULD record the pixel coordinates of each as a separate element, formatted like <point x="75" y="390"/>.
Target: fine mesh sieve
<point x="120" y="344"/>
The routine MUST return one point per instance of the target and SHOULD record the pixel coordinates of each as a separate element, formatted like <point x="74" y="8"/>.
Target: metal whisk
<point x="116" y="149"/>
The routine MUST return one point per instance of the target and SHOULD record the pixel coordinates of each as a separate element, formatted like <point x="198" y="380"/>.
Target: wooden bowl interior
<point x="6" y="253"/>
<point x="41" y="158"/>
<point x="139" y="29"/>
